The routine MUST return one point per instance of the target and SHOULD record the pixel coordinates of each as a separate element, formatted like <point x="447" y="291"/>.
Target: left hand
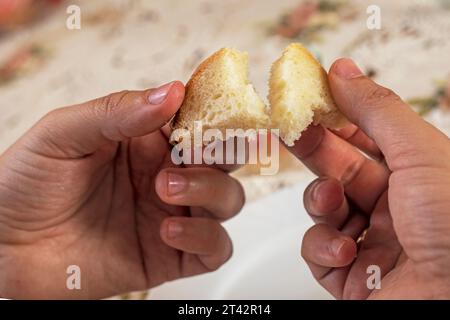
<point x="93" y="185"/>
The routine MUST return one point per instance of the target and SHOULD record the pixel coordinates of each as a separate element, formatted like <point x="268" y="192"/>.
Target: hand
<point x="93" y="185"/>
<point x="14" y="12"/>
<point x="401" y="194"/>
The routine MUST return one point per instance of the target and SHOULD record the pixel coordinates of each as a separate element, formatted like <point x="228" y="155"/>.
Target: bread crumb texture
<point x="299" y="94"/>
<point x="220" y="95"/>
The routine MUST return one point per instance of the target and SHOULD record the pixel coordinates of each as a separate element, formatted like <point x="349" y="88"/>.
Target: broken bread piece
<point x="299" y="94"/>
<point x="220" y="95"/>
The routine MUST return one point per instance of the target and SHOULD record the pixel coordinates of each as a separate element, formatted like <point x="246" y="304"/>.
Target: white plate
<point x="266" y="263"/>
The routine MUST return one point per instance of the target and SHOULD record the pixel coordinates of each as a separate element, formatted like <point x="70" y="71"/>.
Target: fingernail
<point x="347" y="69"/>
<point x="158" y="95"/>
<point x="336" y="245"/>
<point x="176" y="183"/>
<point x="174" y="229"/>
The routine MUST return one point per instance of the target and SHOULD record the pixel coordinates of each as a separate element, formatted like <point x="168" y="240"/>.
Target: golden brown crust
<point x="177" y="121"/>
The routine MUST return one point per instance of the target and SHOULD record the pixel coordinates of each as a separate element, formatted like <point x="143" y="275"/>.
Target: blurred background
<point x="137" y="44"/>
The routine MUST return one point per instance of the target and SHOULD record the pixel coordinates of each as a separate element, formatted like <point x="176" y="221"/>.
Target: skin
<point x="93" y="185"/>
<point x="399" y="189"/>
<point x="12" y="11"/>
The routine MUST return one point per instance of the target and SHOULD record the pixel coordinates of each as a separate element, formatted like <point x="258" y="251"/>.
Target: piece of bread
<point x="220" y="95"/>
<point x="299" y="94"/>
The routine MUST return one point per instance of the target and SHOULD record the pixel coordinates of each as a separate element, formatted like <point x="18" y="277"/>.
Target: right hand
<point x="403" y="197"/>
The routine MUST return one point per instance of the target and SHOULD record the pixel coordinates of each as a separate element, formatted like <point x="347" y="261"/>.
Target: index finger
<point x="401" y="134"/>
<point x="326" y="154"/>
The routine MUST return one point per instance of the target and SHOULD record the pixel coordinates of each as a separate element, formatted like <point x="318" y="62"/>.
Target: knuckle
<point x="352" y="132"/>
<point x="353" y="170"/>
<point x="49" y="123"/>
<point x="54" y="114"/>
<point x="109" y="105"/>
<point x="380" y="95"/>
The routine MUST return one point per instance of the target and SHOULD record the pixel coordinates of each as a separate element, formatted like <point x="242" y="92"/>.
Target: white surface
<point x="266" y="263"/>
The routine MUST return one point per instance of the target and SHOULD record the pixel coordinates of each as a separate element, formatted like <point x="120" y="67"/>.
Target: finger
<point x="325" y="246"/>
<point x="80" y="130"/>
<point x="331" y="278"/>
<point x="201" y="236"/>
<point x="228" y="155"/>
<point x="208" y="188"/>
<point x="325" y="202"/>
<point x="356" y="137"/>
<point x="385" y="118"/>
<point x="328" y="155"/>
<point x="355" y="225"/>
<point x="328" y="253"/>
<point x="380" y="248"/>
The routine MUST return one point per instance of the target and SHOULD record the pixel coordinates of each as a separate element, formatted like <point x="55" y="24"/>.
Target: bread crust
<point x="322" y="111"/>
<point x="179" y="121"/>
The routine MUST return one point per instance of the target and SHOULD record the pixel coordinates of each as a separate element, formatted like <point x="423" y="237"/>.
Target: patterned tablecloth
<point x="136" y="44"/>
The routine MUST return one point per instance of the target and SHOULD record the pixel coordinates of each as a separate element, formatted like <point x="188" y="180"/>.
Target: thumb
<point x="81" y="129"/>
<point x="401" y="134"/>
